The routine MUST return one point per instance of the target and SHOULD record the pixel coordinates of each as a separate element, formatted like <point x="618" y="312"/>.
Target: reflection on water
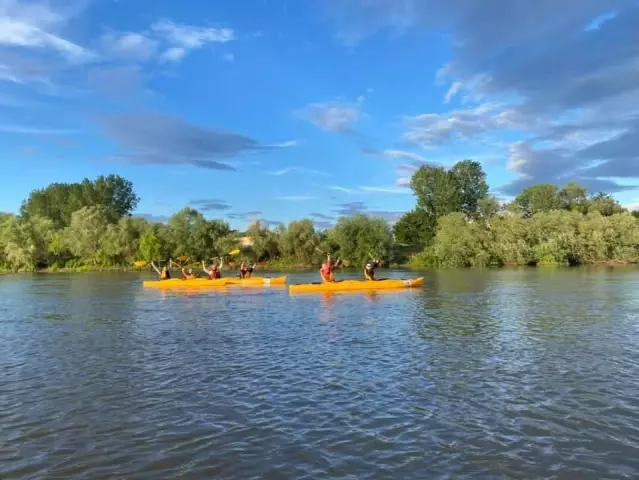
<point x="528" y="373"/>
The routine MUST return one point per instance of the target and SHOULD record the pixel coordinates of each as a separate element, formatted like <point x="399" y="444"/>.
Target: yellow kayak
<point x="220" y="282"/>
<point x="256" y="281"/>
<point x="353" y="285"/>
<point x="179" y="283"/>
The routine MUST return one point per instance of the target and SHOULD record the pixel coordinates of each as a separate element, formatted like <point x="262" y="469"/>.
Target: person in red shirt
<point x="327" y="272"/>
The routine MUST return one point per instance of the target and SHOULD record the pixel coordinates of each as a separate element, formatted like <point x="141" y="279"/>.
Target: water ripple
<point x="499" y="374"/>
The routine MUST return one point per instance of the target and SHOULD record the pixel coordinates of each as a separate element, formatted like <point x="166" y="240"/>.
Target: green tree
<point x="471" y="185"/>
<point x="359" y="237"/>
<point x="604" y="204"/>
<point x="58" y="201"/>
<point x="85" y="236"/>
<point x="539" y="198"/>
<point x="574" y="197"/>
<point x="298" y="242"/>
<point x="436" y="190"/>
<point x="415" y="227"/>
<point x="151" y="247"/>
<point x="190" y="234"/>
<point x="25" y="242"/>
<point x="265" y="241"/>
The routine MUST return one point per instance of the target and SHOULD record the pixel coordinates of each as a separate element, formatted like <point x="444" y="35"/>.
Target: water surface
<point x="480" y="374"/>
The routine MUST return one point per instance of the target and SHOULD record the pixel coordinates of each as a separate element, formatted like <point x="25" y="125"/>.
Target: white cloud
<point x="130" y="46"/>
<point x="400" y="154"/>
<point x="455" y="87"/>
<point x="341" y="189"/>
<point x="393" y="190"/>
<point x="295" y="198"/>
<point x="17" y="33"/>
<point x="173" y="54"/>
<point x="20" y="129"/>
<point x="333" y="116"/>
<point x="287" y="170"/>
<point x="184" y="38"/>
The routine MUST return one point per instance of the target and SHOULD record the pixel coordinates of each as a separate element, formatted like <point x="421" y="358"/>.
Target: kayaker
<point x="188" y="275"/>
<point x="369" y="270"/>
<point x="164" y="273"/>
<point x="327" y="272"/>
<point x="213" y="271"/>
<point x="246" y="271"/>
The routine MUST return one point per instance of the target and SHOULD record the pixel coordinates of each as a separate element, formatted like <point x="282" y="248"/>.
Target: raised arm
<point x="206" y="270"/>
<point x="156" y="268"/>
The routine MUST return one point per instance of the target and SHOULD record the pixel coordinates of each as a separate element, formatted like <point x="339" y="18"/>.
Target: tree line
<point x="88" y="225"/>
<point x="460" y="225"/>
<point x="455" y="222"/>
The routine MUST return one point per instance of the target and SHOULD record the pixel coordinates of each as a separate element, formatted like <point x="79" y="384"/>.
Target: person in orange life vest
<point x="327" y="272"/>
<point x="165" y="274"/>
<point x="188" y="275"/>
<point x="213" y="271"/>
<point x="246" y="271"/>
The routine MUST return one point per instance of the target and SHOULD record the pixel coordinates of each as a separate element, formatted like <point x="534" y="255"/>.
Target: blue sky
<point x="281" y="109"/>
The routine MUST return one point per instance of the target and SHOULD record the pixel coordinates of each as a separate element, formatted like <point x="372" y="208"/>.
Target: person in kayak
<point x="164" y="274"/>
<point x="188" y="275"/>
<point x="246" y="271"/>
<point x="369" y="270"/>
<point x="213" y="271"/>
<point x="327" y="272"/>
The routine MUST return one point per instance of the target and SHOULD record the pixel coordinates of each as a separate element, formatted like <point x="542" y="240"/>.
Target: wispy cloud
<point x="341" y="189"/>
<point x="335" y="116"/>
<point x="129" y="46"/>
<point x="287" y="170"/>
<point x="321" y="216"/>
<point x="556" y="70"/>
<point x="155" y="139"/>
<point x="392" y="190"/>
<point x="185" y="38"/>
<point x="208" y="205"/>
<point x="21" y="129"/>
<point x="150" y="217"/>
<point x="368" y="190"/>
<point x="295" y="198"/>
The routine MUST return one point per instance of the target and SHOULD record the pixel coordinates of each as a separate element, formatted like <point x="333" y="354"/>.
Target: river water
<point x="481" y="374"/>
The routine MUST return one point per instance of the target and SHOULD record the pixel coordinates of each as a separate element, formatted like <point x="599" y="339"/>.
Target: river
<point x="494" y="374"/>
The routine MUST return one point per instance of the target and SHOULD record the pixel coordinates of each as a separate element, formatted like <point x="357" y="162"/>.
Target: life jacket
<point x="244" y="272"/>
<point x="326" y="272"/>
<point x="165" y="274"/>
<point x="215" y="274"/>
<point x="369" y="271"/>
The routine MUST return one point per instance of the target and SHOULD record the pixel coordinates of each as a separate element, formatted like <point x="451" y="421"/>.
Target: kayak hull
<point x="179" y="283"/>
<point x="357" y="285"/>
<point x="257" y="281"/>
<point x="220" y="282"/>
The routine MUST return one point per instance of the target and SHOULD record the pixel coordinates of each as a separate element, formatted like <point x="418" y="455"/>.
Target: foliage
<point x="190" y="234"/>
<point x="573" y="197"/>
<point x="359" y="237"/>
<point x="556" y="237"/>
<point x="414" y="227"/>
<point x="58" y="201"/>
<point x="265" y="242"/>
<point x="86" y="235"/>
<point x="299" y="242"/>
<point x="455" y="223"/>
